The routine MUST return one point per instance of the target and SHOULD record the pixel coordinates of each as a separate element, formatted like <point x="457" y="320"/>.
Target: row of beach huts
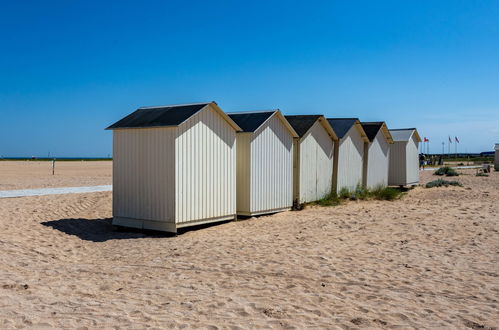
<point x="182" y="165"/>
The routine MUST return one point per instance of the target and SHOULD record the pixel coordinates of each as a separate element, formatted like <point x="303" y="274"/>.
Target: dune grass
<point x="361" y="193"/>
<point x="442" y="183"/>
<point x="447" y="171"/>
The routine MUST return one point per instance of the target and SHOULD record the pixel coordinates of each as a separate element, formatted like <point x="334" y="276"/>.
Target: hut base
<point x="165" y="226"/>
<point x="250" y="214"/>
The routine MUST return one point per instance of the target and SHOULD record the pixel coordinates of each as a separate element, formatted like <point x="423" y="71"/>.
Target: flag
<point x="457" y="140"/>
<point x="450" y="140"/>
<point x="426" y="140"/>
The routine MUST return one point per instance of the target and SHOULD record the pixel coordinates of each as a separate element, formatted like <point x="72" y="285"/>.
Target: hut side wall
<point x="143" y="176"/>
<point x="378" y="162"/>
<point x="205" y="169"/>
<point x="243" y="172"/>
<point x="271" y="168"/>
<point x="397" y="170"/>
<point x="316" y="164"/>
<point x="412" y="161"/>
<point x="350" y="160"/>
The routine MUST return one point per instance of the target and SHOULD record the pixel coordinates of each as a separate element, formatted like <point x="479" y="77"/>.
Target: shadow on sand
<point x="102" y="230"/>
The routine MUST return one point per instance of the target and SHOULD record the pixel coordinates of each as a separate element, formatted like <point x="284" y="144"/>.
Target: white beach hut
<point x="496" y="159"/>
<point x="174" y="166"/>
<point x="264" y="162"/>
<point x="348" y="170"/>
<point x="404" y="157"/>
<point x="377" y="155"/>
<point x="313" y="157"/>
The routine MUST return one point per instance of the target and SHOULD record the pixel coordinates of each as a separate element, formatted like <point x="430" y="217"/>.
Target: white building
<point x="404" y="157"/>
<point x="349" y="167"/>
<point x="174" y="166"/>
<point x="314" y="157"/>
<point x="377" y="157"/>
<point x="264" y="162"/>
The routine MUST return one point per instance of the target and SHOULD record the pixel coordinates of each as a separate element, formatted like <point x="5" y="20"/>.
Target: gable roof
<point x="341" y="126"/>
<point x="404" y="134"/>
<point x="372" y="128"/>
<point x="166" y="116"/>
<point x="251" y="121"/>
<point x="303" y="123"/>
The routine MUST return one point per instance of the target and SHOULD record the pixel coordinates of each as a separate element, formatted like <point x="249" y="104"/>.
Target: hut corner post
<point x="365" y="164"/>
<point x="334" y="181"/>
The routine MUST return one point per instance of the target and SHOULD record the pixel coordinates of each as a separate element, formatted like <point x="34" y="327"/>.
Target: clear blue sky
<point x="68" y="69"/>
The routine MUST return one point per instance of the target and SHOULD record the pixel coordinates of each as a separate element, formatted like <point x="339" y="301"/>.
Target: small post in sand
<point x="53" y="166"/>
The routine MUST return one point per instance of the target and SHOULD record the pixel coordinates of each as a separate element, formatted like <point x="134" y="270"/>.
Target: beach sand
<point x="429" y="260"/>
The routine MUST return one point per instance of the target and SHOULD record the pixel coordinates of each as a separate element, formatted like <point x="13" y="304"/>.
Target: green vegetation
<point x="442" y="183"/>
<point x="361" y="193"/>
<point x="481" y="174"/>
<point x="447" y="171"/>
<point x="330" y="199"/>
<point x="470" y="159"/>
<point x="496" y="168"/>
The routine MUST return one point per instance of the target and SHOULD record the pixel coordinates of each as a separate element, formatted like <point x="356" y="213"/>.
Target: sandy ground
<point x="38" y="174"/>
<point x="430" y="260"/>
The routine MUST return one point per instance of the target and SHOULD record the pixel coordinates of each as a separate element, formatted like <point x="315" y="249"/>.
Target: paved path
<point x="53" y="191"/>
<point x="458" y="167"/>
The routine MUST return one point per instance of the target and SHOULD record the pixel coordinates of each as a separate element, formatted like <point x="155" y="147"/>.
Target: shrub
<point x="481" y="174"/>
<point x="447" y="171"/>
<point x="360" y="193"/>
<point x="496" y="168"/>
<point x="442" y="183"/>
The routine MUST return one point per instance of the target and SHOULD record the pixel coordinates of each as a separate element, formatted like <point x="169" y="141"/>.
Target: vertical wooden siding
<point x="316" y="164"/>
<point x="143" y="174"/>
<point x="397" y="170"/>
<point x="271" y="167"/>
<point x="350" y="160"/>
<point x="412" y="154"/>
<point x="205" y="168"/>
<point x="378" y="162"/>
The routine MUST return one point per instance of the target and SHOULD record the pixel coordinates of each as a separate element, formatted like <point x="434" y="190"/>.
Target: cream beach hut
<point x="496" y="159"/>
<point x="404" y="157"/>
<point x="349" y="168"/>
<point x="377" y="155"/>
<point x="174" y="166"/>
<point x="313" y="157"/>
<point x="264" y="162"/>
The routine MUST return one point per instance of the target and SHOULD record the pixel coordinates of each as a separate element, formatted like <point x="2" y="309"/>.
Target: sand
<point x="430" y="260"/>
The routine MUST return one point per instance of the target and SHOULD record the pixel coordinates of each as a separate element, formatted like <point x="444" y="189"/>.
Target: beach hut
<point x="313" y="157"/>
<point x="377" y="155"/>
<point x="174" y="166"/>
<point x="264" y="162"/>
<point x="496" y="159"/>
<point x="348" y="169"/>
<point x="404" y="157"/>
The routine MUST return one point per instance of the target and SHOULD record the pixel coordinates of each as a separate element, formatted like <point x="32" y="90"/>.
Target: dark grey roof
<point x="251" y="120"/>
<point x="341" y="125"/>
<point x="372" y="128"/>
<point x="161" y="116"/>
<point x="302" y="123"/>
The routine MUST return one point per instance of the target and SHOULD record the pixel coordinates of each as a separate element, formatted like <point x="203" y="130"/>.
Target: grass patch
<point x="496" y="168"/>
<point x="442" y="183"/>
<point x="330" y="199"/>
<point x="447" y="171"/>
<point x="379" y="193"/>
